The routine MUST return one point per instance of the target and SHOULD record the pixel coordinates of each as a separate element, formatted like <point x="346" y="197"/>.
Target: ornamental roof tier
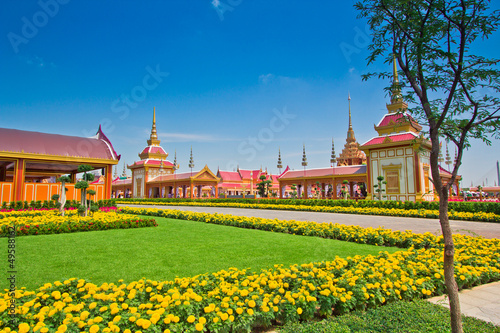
<point x="44" y="146"/>
<point x="400" y="137"/>
<point x="151" y="162"/>
<point x="325" y="172"/>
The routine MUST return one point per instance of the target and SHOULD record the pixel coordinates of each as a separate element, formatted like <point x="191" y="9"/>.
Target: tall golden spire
<point x="350" y="131"/>
<point x="396" y="89"/>
<point x="153" y="138"/>
<point x="349" y="99"/>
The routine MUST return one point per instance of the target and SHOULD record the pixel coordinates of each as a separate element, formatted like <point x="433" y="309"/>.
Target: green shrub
<point x="403" y="316"/>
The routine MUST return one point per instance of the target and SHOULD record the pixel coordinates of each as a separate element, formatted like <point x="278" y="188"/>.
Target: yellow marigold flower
<point x="251" y="303"/>
<point x="23" y="328"/>
<point x="216" y="319"/>
<point x="202" y="320"/>
<point x="92" y="305"/>
<point x="132" y="319"/>
<point x="250" y="312"/>
<point x="239" y="311"/>
<point x="199" y="327"/>
<point x="166" y="331"/>
<point x="94" y="329"/>
<point x="437" y="276"/>
<point x="146" y="323"/>
<point x="299" y="310"/>
<point x="462" y="277"/>
<point x="191" y="319"/>
<point x="44" y="330"/>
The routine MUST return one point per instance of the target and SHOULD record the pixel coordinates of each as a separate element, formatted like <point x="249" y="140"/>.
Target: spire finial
<point x="153" y="138"/>
<point x="280" y="164"/>
<point x="349" y="99"/>
<point x="394" y="70"/>
<point x="396" y="89"/>
<point x="333" y="158"/>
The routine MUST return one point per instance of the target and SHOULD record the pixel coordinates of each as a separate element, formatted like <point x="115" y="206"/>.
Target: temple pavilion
<point x="31" y="163"/>
<point x="329" y="182"/>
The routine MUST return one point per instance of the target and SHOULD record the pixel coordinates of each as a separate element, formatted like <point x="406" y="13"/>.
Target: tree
<point x="345" y="191"/>
<point x="452" y="89"/>
<point x="83" y="184"/>
<point x="378" y="187"/>
<point x="62" y="199"/>
<point x="294" y="191"/>
<point x="263" y="186"/>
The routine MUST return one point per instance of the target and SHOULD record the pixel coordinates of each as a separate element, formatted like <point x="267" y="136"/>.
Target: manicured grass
<point x="174" y="248"/>
<point x="404" y="316"/>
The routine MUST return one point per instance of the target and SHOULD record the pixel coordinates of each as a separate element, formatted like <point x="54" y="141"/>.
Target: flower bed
<point x="237" y="300"/>
<point x="464" y="207"/>
<point x="44" y="222"/>
<point x="422" y="213"/>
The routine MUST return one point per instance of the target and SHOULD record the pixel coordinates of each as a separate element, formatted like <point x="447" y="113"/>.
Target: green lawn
<point x="174" y="248"/>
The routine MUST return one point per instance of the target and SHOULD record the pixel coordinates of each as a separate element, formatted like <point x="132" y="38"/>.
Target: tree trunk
<point x="449" y="263"/>
<point x="63" y="198"/>
<point x="449" y="247"/>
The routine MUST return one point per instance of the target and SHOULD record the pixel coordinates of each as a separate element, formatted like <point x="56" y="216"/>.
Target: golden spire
<point x="349" y="99"/>
<point x="153" y="138"/>
<point x="396" y="90"/>
<point x="350" y="131"/>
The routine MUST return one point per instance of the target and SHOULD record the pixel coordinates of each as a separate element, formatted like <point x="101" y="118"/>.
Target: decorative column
<point x="191" y="190"/>
<point x="107" y="181"/>
<point x="351" y="189"/>
<point x="19" y="173"/>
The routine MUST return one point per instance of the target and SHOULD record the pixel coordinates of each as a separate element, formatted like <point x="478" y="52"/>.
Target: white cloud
<point x="351" y="70"/>
<point x="216" y="3"/>
<point x="38" y="62"/>
<point x="271" y="78"/>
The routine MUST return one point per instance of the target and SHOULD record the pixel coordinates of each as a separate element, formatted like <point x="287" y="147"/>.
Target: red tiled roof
<point x="119" y="181"/>
<point x="229" y="176"/>
<point x="325" y="172"/>
<point x="443" y="170"/>
<point x="394" y="138"/>
<point x="152" y="162"/>
<point x="232" y="185"/>
<point x="395" y="118"/>
<point x="18" y="141"/>
<point x="154" y="150"/>
<point x="245" y="174"/>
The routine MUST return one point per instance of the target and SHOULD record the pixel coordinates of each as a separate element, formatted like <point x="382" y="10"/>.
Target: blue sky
<point x="236" y="83"/>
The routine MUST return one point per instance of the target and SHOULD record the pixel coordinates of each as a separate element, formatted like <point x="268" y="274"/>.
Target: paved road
<point x="417" y="225"/>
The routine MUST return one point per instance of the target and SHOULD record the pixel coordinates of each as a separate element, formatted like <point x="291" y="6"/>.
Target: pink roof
<point x="154" y="150"/>
<point x="18" y="141"/>
<point x="232" y="185"/>
<point x="245" y="174"/>
<point x="152" y="162"/>
<point x="229" y="176"/>
<point x="394" y="138"/>
<point x="325" y="172"/>
<point x="119" y="181"/>
<point x="177" y="176"/>
<point x="395" y="118"/>
<point x="443" y="170"/>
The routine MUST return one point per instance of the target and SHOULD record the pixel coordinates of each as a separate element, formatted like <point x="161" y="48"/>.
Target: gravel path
<point x="417" y="225"/>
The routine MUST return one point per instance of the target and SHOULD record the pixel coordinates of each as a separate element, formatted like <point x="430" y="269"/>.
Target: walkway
<point x="482" y="302"/>
<point x="417" y="225"/>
